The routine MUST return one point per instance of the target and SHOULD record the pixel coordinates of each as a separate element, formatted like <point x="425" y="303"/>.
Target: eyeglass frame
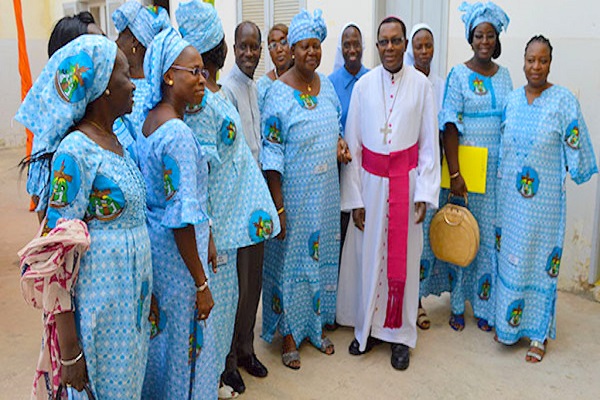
<point x="194" y="71"/>
<point x="397" y="41"/>
<point x="273" y="45"/>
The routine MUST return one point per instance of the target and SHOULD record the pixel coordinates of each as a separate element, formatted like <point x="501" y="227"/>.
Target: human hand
<point x="204" y="303"/>
<point x="458" y="187"/>
<point x="212" y="253"/>
<point x="343" y="152"/>
<point x="420" y="210"/>
<point x="75" y="375"/>
<point x="358" y="216"/>
<point x="282" y="223"/>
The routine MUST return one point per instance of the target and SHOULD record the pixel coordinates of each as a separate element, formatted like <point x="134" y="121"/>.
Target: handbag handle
<point x="464" y="196"/>
<point x="86" y="389"/>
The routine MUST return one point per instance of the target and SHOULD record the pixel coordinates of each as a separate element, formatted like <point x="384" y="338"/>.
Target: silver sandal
<point x="289" y="358"/>
<point x="538" y="345"/>
<point x="325" y="344"/>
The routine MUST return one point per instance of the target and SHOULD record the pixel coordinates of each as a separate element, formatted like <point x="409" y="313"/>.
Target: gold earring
<point x="107" y="92"/>
<point x="170" y="83"/>
<point x="133" y="49"/>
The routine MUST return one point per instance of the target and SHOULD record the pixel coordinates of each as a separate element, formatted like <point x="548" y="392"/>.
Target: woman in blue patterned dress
<point x="176" y="175"/>
<point x="301" y="134"/>
<point x="137" y="25"/>
<point x="239" y="202"/>
<point x="471" y="113"/>
<point x="544" y="138"/>
<point x="281" y="56"/>
<point x="103" y="340"/>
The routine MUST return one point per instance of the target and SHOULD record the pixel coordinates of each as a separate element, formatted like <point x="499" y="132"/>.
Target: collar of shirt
<point x="241" y="77"/>
<point x="348" y="78"/>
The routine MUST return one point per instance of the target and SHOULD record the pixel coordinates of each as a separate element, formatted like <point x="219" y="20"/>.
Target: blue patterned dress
<point x="474" y="103"/>
<point x="300" y="134"/>
<point x="242" y="213"/>
<point x="115" y="278"/>
<point x="541" y="143"/>
<point x="263" y="85"/>
<point x="176" y="177"/>
<point x="129" y="126"/>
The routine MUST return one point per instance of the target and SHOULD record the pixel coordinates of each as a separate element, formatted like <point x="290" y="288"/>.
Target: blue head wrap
<point x="200" y="25"/>
<point x="306" y="26"/>
<point x="162" y="53"/>
<point x="144" y="22"/>
<point x="477" y="13"/>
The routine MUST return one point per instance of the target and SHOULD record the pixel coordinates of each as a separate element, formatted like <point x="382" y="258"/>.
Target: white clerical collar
<point x="393" y="78"/>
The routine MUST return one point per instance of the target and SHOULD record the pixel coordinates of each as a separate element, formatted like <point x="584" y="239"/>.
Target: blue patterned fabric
<point x="77" y="74"/>
<point x="162" y="53"/>
<point x="540" y="143"/>
<point x="474" y="103"/>
<point x="112" y="294"/>
<point x="343" y="82"/>
<point x="300" y="272"/>
<point x="478" y="13"/>
<point x="262" y="86"/>
<point x="144" y="22"/>
<point x="306" y="26"/>
<point x="200" y="25"/>
<point x="176" y="176"/>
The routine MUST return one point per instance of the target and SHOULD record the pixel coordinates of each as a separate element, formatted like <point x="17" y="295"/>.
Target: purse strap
<point x="464" y="196"/>
<point x="86" y="389"/>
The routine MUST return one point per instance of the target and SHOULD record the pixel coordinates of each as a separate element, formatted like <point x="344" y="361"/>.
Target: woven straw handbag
<point x="454" y="234"/>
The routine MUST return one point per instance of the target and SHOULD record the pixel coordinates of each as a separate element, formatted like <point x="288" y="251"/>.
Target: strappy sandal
<point x="327" y="346"/>
<point x="423" y="320"/>
<point x="536" y="352"/>
<point x="482" y="324"/>
<point x="289" y="358"/>
<point x="457" y="322"/>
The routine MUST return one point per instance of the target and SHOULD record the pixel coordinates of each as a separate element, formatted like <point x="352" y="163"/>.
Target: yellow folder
<point x="473" y="168"/>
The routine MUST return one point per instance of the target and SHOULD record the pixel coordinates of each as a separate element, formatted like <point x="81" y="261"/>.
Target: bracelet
<point x="281" y="210"/>
<point x="202" y="288"/>
<point x="455" y="175"/>
<point x="69" y="363"/>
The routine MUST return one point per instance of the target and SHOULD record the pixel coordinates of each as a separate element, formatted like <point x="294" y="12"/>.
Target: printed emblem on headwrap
<point x="572" y="135"/>
<point x="313" y="245"/>
<point x="260" y="226"/>
<point x="277" y="302"/>
<point x="171" y="176"/>
<point x="228" y="131"/>
<point x="156" y="327"/>
<point x="478" y="84"/>
<point x="317" y="302"/>
<point x="485" y="287"/>
<point x="196" y="339"/>
<point x="514" y="313"/>
<point x="153" y="10"/>
<point x="498" y="234"/>
<point x="424" y="269"/>
<point x="306" y="100"/>
<point x="74" y="75"/>
<point x="106" y="200"/>
<point x="144" y="291"/>
<point x="65" y="181"/>
<point x="528" y="182"/>
<point x="273" y="129"/>
<point x="452" y="278"/>
<point x="553" y="264"/>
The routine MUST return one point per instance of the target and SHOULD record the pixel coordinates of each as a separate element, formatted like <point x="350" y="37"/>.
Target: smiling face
<point x="484" y="41"/>
<point x="352" y="48"/>
<point x="307" y="54"/>
<point x="186" y="85"/>
<point x="391" y="44"/>
<point x="279" y="49"/>
<point x="120" y="86"/>
<point x="247" y="49"/>
<point x="422" y="46"/>
<point x="537" y="64"/>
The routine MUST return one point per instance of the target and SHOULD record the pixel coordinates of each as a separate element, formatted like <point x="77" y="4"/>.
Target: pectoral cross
<point x="385" y="130"/>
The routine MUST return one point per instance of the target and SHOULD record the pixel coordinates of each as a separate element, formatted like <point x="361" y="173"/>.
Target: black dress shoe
<point x="234" y="379"/>
<point x="253" y="366"/>
<point x="400" y="356"/>
<point x="354" y="348"/>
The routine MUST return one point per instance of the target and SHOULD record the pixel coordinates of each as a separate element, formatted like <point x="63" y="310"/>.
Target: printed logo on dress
<point x="273" y="129"/>
<point x="65" y="181"/>
<point x="260" y="226"/>
<point x="478" y="84"/>
<point x="153" y="10"/>
<point x="317" y="302"/>
<point x="553" y="264"/>
<point x="171" y="176"/>
<point x="313" y="245"/>
<point x="277" y="302"/>
<point x="306" y="100"/>
<point x="228" y="132"/>
<point x="144" y="290"/>
<point x="106" y="200"/>
<point x="485" y="287"/>
<point x="196" y="339"/>
<point x="498" y="234"/>
<point x="572" y="135"/>
<point x="514" y="313"/>
<point x="528" y="182"/>
<point x="156" y="327"/>
<point x="73" y="76"/>
<point x="424" y="269"/>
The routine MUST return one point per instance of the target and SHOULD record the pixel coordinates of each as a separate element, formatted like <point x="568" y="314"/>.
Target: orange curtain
<point x="24" y="69"/>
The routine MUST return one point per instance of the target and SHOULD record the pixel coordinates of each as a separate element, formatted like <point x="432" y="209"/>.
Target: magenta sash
<point x="396" y="167"/>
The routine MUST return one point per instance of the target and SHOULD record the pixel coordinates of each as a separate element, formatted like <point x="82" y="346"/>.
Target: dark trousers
<point x="250" y="271"/>
<point x="344" y="220"/>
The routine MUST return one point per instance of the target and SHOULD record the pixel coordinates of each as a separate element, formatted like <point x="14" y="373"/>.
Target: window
<point x="266" y="13"/>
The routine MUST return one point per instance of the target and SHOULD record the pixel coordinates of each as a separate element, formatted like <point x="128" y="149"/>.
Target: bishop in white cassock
<point x="392" y="134"/>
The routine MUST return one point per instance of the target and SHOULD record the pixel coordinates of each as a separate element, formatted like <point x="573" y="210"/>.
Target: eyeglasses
<point x="273" y="45"/>
<point x="394" y="41"/>
<point x="194" y="71"/>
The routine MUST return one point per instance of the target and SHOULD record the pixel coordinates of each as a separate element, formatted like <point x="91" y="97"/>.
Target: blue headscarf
<point x="477" y="13"/>
<point x="200" y="25"/>
<point x="162" y="53"/>
<point x="306" y="26"/>
<point x="144" y="22"/>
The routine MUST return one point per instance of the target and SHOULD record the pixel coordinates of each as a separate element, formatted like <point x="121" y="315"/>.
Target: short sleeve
<point x="577" y="145"/>
<point x="38" y="181"/>
<point x="453" y="104"/>
<point x="184" y="179"/>
<point x="273" y="135"/>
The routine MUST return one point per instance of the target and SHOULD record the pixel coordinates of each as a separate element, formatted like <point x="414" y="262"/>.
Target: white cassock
<point x="363" y="283"/>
